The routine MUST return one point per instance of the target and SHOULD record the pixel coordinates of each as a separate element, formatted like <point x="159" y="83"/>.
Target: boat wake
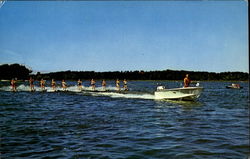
<point x="25" y="88"/>
<point x="166" y="94"/>
<point x="126" y="95"/>
<point x="99" y="91"/>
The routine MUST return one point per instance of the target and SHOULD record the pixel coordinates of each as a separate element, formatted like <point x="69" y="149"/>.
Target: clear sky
<point x="125" y="35"/>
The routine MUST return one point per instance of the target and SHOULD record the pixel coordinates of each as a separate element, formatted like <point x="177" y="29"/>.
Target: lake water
<point x="133" y="125"/>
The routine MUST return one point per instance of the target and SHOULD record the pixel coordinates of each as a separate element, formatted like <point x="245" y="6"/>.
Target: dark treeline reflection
<point x="21" y="72"/>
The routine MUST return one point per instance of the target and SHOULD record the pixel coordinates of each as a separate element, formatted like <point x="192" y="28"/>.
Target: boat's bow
<point x="187" y="93"/>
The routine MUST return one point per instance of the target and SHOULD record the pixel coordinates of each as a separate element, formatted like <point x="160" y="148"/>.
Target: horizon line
<point x="47" y="72"/>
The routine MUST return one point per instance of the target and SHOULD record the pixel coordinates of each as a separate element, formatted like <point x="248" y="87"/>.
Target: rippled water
<point x="133" y="125"/>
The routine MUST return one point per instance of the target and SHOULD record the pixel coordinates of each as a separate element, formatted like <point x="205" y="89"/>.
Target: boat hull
<point x="231" y="87"/>
<point x="188" y="93"/>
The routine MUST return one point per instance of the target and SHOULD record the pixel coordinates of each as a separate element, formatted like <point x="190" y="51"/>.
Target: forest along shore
<point x="21" y="72"/>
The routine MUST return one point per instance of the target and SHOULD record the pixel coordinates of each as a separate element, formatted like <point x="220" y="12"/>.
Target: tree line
<point x="22" y="73"/>
<point x="18" y="71"/>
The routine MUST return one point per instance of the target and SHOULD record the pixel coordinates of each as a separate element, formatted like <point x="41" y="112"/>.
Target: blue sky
<point x="125" y="35"/>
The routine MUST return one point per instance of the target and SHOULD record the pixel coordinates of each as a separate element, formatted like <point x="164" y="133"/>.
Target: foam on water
<point x="5" y="88"/>
<point x="26" y="88"/>
<point x="100" y="91"/>
<point x="128" y="95"/>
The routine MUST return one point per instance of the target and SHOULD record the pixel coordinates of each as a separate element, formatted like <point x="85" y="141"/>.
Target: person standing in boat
<point x="42" y="84"/>
<point x="13" y="84"/>
<point x="31" y="81"/>
<point x="53" y="84"/>
<point x="64" y="85"/>
<point x="187" y="81"/>
<point x="125" y="86"/>
<point x="79" y="84"/>
<point x="92" y="82"/>
<point x="104" y="85"/>
<point x="117" y="85"/>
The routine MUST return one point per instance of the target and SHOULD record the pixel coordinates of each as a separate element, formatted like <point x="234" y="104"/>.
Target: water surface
<point x="133" y="125"/>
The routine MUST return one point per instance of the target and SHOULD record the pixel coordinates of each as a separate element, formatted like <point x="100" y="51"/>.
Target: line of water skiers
<point x="64" y="84"/>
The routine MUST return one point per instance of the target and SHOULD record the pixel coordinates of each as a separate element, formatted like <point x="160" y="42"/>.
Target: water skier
<point x="117" y="85"/>
<point x="104" y="85"/>
<point x="31" y="81"/>
<point x="64" y="85"/>
<point x="125" y="86"/>
<point x="53" y="84"/>
<point x="92" y="82"/>
<point x="42" y="84"/>
<point x="79" y="84"/>
<point x="13" y="85"/>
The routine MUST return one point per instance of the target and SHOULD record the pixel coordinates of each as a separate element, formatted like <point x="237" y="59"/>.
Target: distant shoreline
<point x="20" y="72"/>
<point x="168" y="75"/>
<point x="72" y="80"/>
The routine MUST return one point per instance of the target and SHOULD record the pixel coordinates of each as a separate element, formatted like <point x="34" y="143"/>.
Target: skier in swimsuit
<point x="93" y="84"/>
<point x="64" y="85"/>
<point x="79" y="84"/>
<point x="31" y="81"/>
<point x="117" y="85"/>
<point x="104" y="85"/>
<point x="13" y="85"/>
<point x="53" y="84"/>
<point x="125" y="86"/>
<point x="42" y="84"/>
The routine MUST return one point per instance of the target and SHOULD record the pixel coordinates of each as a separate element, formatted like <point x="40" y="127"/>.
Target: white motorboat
<point x="234" y="86"/>
<point x="185" y="93"/>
